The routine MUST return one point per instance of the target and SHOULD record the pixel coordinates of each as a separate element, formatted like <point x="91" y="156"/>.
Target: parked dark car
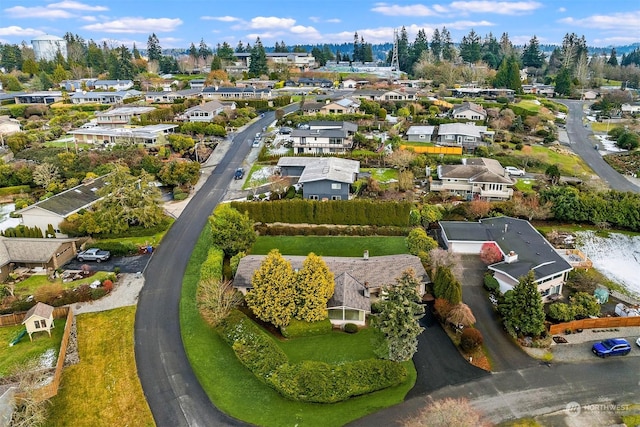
<point x="611" y="347"/>
<point x="239" y="174"/>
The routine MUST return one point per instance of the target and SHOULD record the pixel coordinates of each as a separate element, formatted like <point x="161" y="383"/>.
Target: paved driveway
<point x="126" y="264"/>
<point x="504" y="353"/>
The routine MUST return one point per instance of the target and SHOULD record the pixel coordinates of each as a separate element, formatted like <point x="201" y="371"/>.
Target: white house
<point x="204" y="112"/>
<point x="469" y="111"/>
<point x="324" y="137"/>
<point x="121" y="116"/>
<point x="523" y="248"/>
<point x="147" y="135"/>
<point x="467" y="135"/>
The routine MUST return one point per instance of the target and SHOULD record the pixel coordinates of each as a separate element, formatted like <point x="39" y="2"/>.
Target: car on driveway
<point x="513" y="171"/>
<point x="239" y="174"/>
<point x="93" y="254"/>
<point x="638" y="342"/>
<point x="611" y="347"/>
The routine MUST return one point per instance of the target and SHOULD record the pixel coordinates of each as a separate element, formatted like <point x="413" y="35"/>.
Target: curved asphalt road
<point x="170" y="386"/>
<point x="583" y="145"/>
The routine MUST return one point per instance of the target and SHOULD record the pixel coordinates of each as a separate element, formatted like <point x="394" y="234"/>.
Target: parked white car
<point x="513" y="171"/>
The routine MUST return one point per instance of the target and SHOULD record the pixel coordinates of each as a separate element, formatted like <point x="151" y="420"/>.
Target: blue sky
<point x="179" y="23"/>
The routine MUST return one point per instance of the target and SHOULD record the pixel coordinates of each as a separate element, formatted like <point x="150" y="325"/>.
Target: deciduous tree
<point x="232" y="231"/>
<point x="447" y="413"/>
<point x="490" y="253"/>
<point x="418" y="241"/>
<point x="272" y="297"/>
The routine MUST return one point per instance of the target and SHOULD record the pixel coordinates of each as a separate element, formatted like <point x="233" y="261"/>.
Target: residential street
<point x="581" y="143"/>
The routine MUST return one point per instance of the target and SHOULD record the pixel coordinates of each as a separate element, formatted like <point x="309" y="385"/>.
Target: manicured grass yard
<point x="331" y="245"/>
<point x="345" y="347"/>
<point x="103" y="389"/>
<point x="569" y="164"/>
<point x="236" y="391"/>
<point x="382" y="174"/>
<point x="12" y="357"/>
<point x="32" y="283"/>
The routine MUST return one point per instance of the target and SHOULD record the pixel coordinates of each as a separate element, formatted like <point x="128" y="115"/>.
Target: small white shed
<point x="39" y="318"/>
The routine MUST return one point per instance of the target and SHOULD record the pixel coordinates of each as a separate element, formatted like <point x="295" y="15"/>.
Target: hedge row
<point x="308" y="381"/>
<point x="319" y="382"/>
<point x="116" y="248"/>
<point x="351" y="212"/>
<point x="16" y="189"/>
<point x="298" y="328"/>
<point x="322" y="230"/>
<point x="211" y="268"/>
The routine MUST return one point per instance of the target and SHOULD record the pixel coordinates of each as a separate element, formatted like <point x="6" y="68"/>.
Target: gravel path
<point x="125" y="292"/>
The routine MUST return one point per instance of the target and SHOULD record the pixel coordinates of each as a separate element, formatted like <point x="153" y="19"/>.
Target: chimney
<point x="511" y="257"/>
<point x="366" y="290"/>
<point x="366" y="256"/>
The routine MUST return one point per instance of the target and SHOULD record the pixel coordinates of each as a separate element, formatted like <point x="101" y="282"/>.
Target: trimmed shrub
<point x="350" y="328"/>
<point x="211" y="268"/>
<point x="442" y="308"/>
<point x="107" y="285"/>
<point x="490" y="283"/>
<point x="561" y="312"/>
<point x="470" y="339"/>
<point x="300" y="328"/>
<point x="312" y="381"/>
<point x="118" y="248"/>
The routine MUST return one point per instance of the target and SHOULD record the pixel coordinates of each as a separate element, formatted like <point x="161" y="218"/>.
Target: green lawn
<point x="382" y="174"/>
<point x="345" y="347"/>
<point x="153" y="239"/>
<point x="603" y="127"/>
<point x="236" y="391"/>
<point x="524" y="184"/>
<point x="569" y="164"/>
<point x="12" y="357"/>
<point x="331" y="245"/>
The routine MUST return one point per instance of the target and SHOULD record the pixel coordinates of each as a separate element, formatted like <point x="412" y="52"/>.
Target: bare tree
<point x="461" y="314"/>
<point x="45" y="173"/>
<point x="445" y="413"/>
<point x="401" y="159"/>
<point x="216" y="298"/>
<point x="30" y="409"/>
<point x="442" y="258"/>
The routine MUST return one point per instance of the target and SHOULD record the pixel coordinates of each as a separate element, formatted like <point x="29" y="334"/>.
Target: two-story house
<point x="469" y="111"/>
<point x="147" y="135"/>
<point x="341" y="106"/>
<point x="219" y="92"/>
<point x="322" y="178"/>
<point x="475" y="178"/>
<point x="117" y="85"/>
<point x="323" y="137"/>
<point x="120" y="116"/>
<point x="524" y="249"/>
<point x="467" y="135"/>
<point x="103" y="97"/>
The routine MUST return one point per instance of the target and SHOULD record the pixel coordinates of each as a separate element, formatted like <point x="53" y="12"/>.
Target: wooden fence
<point x="17" y="318"/>
<point x="432" y="150"/>
<point x="604" y="322"/>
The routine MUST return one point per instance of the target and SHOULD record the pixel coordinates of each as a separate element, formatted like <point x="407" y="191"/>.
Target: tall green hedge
<point x="211" y="268"/>
<point x="352" y="212"/>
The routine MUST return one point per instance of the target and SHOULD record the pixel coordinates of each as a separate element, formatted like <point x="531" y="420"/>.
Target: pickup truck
<point x="93" y="254"/>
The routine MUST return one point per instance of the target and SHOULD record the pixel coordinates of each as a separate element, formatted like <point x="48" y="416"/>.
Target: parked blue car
<point x="611" y="347"/>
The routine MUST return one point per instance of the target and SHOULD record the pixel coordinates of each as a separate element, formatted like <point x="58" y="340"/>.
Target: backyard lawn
<point x="103" y="389"/>
<point x="346" y="246"/>
<point x="224" y="378"/>
<point x="30" y="285"/>
<point x="12" y="357"/>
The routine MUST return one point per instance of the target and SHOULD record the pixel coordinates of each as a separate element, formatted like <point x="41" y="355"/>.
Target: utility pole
<point x="395" y="63"/>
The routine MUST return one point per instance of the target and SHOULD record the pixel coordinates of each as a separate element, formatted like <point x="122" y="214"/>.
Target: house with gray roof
<point x="323" y="137"/>
<point x="233" y="93"/>
<point x="204" y="112"/>
<point x="34" y="253"/>
<point x="523" y="248"/>
<point x="168" y="97"/>
<point x="148" y="135"/>
<point x="466" y="135"/>
<point x="475" y="178"/>
<point x="322" y="178"/>
<point x="45" y="97"/>
<point x="59" y="206"/>
<point x="418" y="133"/>
<point x="469" y="111"/>
<point x="103" y="97"/>
<point x="341" y="106"/>
<point x="358" y="281"/>
<point x="117" y="85"/>
<point x="120" y="116"/>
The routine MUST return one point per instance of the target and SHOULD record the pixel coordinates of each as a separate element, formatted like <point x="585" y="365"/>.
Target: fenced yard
<point x="605" y="322"/>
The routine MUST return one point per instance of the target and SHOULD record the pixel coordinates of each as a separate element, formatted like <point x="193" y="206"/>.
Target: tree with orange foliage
<point x="490" y="253"/>
<point x="479" y="208"/>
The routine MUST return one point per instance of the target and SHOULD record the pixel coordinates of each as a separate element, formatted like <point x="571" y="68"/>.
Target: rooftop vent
<point x="366" y="255"/>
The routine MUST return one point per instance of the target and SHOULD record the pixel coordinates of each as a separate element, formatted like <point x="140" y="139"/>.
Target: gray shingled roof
<point x="375" y="272"/>
<point x="421" y="130"/>
<point x="40" y="309"/>
<point x="461" y="129"/>
<point x="210" y="107"/>
<point x="71" y="200"/>
<point x="350" y="293"/>
<point x="330" y="168"/>
<point x="511" y="234"/>
<point x="474" y="173"/>
<point x="28" y="250"/>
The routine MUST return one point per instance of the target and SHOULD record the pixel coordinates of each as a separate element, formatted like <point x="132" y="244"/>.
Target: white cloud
<point x="562" y="9"/>
<point x="464" y="25"/>
<point x="397" y="10"/>
<point x="136" y="25"/>
<point x="37" y="12"/>
<point x="317" y="19"/>
<point x="498" y="7"/>
<point x="301" y="29"/>
<point x="74" y="5"/>
<point x="334" y="20"/>
<point x="89" y="18"/>
<point x="220" y="18"/>
<point x="269" y="35"/>
<point x="14" y="30"/>
<point x="627" y="21"/>
<point x="271" y="22"/>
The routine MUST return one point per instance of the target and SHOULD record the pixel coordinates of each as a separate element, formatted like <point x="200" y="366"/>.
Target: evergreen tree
<point x="448" y="50"/>
<point x="314" y="287"/>
<point x="522" y="308"/>
<point x="193" y="53"/>
<point x="613" y="59"/>
<point x="135" y="52"/>
<point x="95" y="58"/>
<point x="154" y="51"/>
<point x="404" y="59"/>
<point x="258" y="65"/>
<point x="491" y="51"/>
<point x="240" y="48"/>
<point x="225" y="52"/>
<point x="436" y="45"/>
<point x="563" y="82"/>
<point x="281" y="47"/>
<point x="506" y="47"/>
<point x="508" y="75"/>
<point x="10" y="57"/>
<point x="366" y="51"/>
<point x="446" y="286"/>
<point x="573" y="48"/>
<point x="421" y="44"/>
<point x="357" y="48"/>
<point x="470" y="49"/>
<point x="397" y="321"/>
<point x="532" y="56"/>
<point x="204" y="51"/>
<point x="272" y="297"/>
<point x="216" y="63"/>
